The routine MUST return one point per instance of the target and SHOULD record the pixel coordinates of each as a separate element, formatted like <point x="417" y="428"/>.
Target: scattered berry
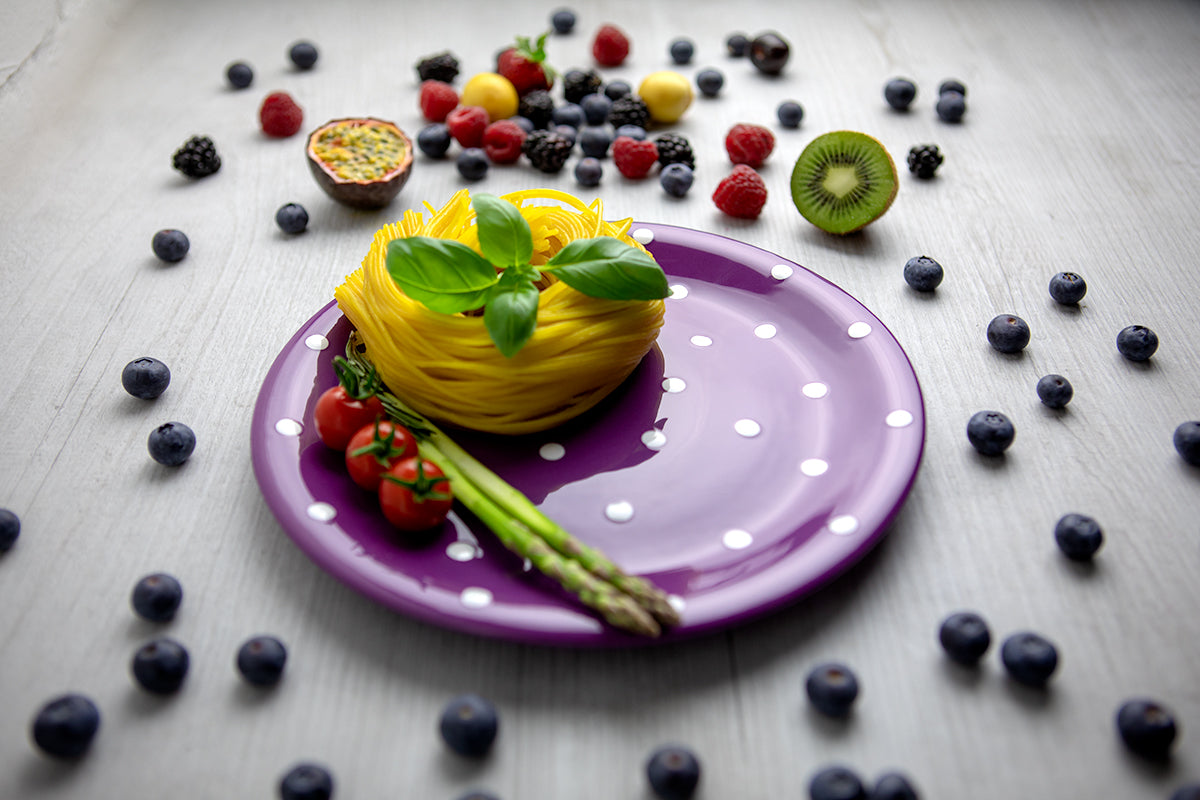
<point x="709" y="82"/>
<point x="965" y="637"/>
<point x="588" y="171"/>
<point x="1029" y="658"/>
<point x="1067" y="288"/>
<point x="563" y="20"/>
<point x="682" y="51"/>
<point x="306" y="782"/>
<point x="547" y="150"/>
<point x="676" y="179"/>
<point x="537" y="107"/>
<point x="923" y="273"/>
<point x="469" y="725"/>
<point x="467" y="124"/>
<point x="1078" y="536"/>
<point x="291" y="218"/>
<point x="595" y="140"/>
<point x="303" y="55"/>
<point x="568" y="114"/>
<point x="610" y="47"/>
<point x="1008" y="333"/>
<point x="596" y="108"/>
<point x="737" y="44"/>
<point x="951" y="107"/>
<point x="578" y="84"/>
<point x="836" y="783"/>
<point x="434" y="139"/>
<point x="170" y="244"/>
<point x="1187" y="442"/>
<point x="673" y="772"/>
<point x="239" y="74"/>
<point x="436" y="100"/>
<point x="634" y="159"/>
<point x="951" y="85"/>
<point x="502" y="141"/>
<point x="10" y="529"/>
<point x="673" y="148"/>
<point x="893" y="786"/>
<point x="1147" y="728"/>
<point x="160" y="666"/>
<point x="567" y="132"/>
<point x="741" y="193"/>
<point x="1055" y="391"/>
<point x="629" y="110"/>
<point x="832" y="689"/>
<point x="197" y="157"/>
<point x="616" y="89"/>
<point x="769" y="53"/>
<point x="749" y="144"/>
<point x="789" y="113"/>
<point x="924" y="159"/>
<point x="171" y="443"/>
<point x="632" y="131"/>
<point x="472" y="163"/>
<point x="261" y="660"/>
<point x="522" y="66"/>
<point x="899" y="93"/>
<point x="990" y="432"/>
<point x="1137" y="342"/>
<point x="65" y="726"/>
<point x="279" y="115"/>
<point x="157" y="597"/>
<point x="441" y="67"/>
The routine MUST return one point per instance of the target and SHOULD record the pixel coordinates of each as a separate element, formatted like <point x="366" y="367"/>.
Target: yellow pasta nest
<point x="446" y="365"/>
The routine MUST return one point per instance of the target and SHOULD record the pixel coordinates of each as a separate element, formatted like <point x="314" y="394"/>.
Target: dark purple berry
<point x="899" y="93"/>
<point x="157" y="597"/>
<point x="1078" y="536"/>
<point x="261" y="659"/>
<point x="303" y="55"/>
<point x="1067" y="288"/>
<point x="469" y="725"/>
<point x="832" y="689"/>
<point x="1187" y="442"/>
<point x="160" y="666"/>
<point x="66" y="725"/>
<point x="145" y="378"/>
<point x="306" y="782"/>
<point x="1147" y="727"/>
<point x="1055" y="391"/>
<point x="990" y="432"/>
<point x="1008" y="333"/>
<point x="1137" y="342"/>
<point x="673" y="772"/>
<point x="1029" y="658"/>
<point x="965" y="637"/>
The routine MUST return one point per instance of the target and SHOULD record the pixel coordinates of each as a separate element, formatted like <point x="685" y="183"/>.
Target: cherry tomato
<point x="339" y="415"/>
<point x="415" y="495"/>
<point x="375" y="448"/>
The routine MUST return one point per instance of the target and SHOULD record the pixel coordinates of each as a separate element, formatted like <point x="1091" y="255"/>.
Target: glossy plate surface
<point x="761" y="449"/>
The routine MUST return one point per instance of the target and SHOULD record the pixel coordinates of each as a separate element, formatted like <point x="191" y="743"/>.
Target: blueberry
<point x="673" y="771"/>
<point x="965" y="637"/>
<point x="568" y="114"/>
<point x="157" y="597"/>
<point x="170" y="244"/>
<point x="632" y="131"/>
<point x="836" y="783"/>
<point x="832" y="688"/>
<point x="145" y="378"/>
<point x="951" y="85"/>
<point x="10" y="529"/>
<point x="951" y="106"/>
<point x="737" y="44"/>
<point x="65" y="726"/>
<point x="472" y="163"/>
<point x="615" y="90"/>
<point x="261" y="660"/>
<point x="1067" y="288"/>
<point x="682" y="51"/>
<point x="469" y="724"/>
<point x="1055" y="391"/>
<point x="588" y="171"/>
<point x="1029" y="658"/>
<point x="790" y="113"/>
<point x="171" y="443"/>
<point x="291" y="218"/>
<point x="676" y="179"/>
<point x="563" y="20"/>
<point x="594" y="140"/>
<point x="568" y="132"/>
<point x="160" y="666"/>
<point x="525" y="123"/>
<point x="1189" y="792"/>
<point x="434" y="139"/>
<point x="990" y="432"/>
<point x="1147" y="728"/>
<point x="306" y="782"/>
<point x="923" y="273"/>
<point x="899" y="93"/>
<point x="894" y="786"/>
<point x="1008" y="333"/>
<point x="1078" y="536"/>
<point x="239" y="74"/>
<point x="595" y="108"/>
<point x="1187" y="442"/>
<point x="709" y="82"/>
<point x="303" y="55"/>
<point x="1137" y="342"/>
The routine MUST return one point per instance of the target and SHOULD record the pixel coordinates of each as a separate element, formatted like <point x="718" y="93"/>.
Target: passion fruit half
<point x="361" y="162"/>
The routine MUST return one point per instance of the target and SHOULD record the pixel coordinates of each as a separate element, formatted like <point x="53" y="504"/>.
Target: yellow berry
<point x="667" y="95"/>
<point x="494" y="93"/>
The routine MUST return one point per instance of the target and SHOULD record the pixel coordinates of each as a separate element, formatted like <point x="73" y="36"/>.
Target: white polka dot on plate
<point x="781" y="272"/>
<point x="654" y="439"/>
<point x="321" y="512"/>
<point x="678" y="291"/>
<point x="475" y="597"/>
<point x="619" y="511"/>
<point x="701" y="341"/>
<point x="316" y="342"/>
<point x="812" y="467"/>
<point x="737" y="539"/>
<point x="765" y="331"/>
<point x="552" y="451"/>
<point x="673" y="385"/>
<point x="288" y="427"/>
<point x="899" y="418"/>
<point x="858" y="330"/>
<point x="747" y="427"/>
<point x="815" y="390"/>
<point x="643" y="235"/>
<point x="843" y="525"/>
<point x="462" y="551"/>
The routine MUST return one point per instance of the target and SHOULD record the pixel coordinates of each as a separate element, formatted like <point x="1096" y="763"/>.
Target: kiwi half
<point x="843" y="181"/>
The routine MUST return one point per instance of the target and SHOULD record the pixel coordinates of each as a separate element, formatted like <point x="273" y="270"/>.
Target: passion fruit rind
<point x="362" y="162"/>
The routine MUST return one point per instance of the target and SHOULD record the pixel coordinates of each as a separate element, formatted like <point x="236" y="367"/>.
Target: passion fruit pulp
<point x="361" y="162"/>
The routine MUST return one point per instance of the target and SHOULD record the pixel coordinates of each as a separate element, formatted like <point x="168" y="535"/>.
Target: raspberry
<point x="437" y="99"/>
<point x="741" y="194"/>
<point x="502" y="141"/>
<point x="749" y="144"/>
<point x="634" y="158"/>
<point x="610" y="47"/>
<point x="280" y="116"/>
<point x="467" y="124"/>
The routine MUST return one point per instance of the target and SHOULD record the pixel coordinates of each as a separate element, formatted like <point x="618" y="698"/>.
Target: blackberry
<point x="546" y="150"/>
<point x="924" y="159"/>
<point x="440" y="67"/>
<point x="578" y="84"/>
<point x="629" y="110"/>
<point x="675" y="149"/>
<point x="197" y="158"/>
<point x="538" y="107"/>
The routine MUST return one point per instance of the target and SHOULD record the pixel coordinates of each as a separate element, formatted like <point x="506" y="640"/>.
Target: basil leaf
<point x="445" y="275"/>
<point x="608" y="268"/>
<point x="504" y="235"/>
<point x="511" y="312"/>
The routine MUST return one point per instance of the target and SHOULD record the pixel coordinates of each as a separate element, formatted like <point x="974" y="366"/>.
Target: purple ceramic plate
<point x="761" y="449"/>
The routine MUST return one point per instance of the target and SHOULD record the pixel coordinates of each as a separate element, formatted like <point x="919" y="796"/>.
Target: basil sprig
<point x="449" y="277"/>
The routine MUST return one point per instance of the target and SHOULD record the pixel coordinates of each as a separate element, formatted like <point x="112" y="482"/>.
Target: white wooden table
<point x="1077" y="153"/>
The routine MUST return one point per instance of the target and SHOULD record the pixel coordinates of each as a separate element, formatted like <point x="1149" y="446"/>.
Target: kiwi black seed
<point x="843" y="181"/>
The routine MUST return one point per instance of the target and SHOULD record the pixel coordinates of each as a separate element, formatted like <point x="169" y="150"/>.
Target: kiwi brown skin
<point x="875" y="171"/>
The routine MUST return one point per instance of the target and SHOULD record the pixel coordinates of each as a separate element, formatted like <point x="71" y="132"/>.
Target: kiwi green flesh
<point x="843" y="181"/>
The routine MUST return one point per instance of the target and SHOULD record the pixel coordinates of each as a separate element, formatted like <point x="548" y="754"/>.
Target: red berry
<point x="742" y="193"/>
<point x="749" y="144"/>
<point x="524" y="74"/>
<point x="634" y="157"/>
<point x="467" y="124"/>
<point x="502" y="141"/>
<point x="279" y="115"/>
<point x="610" y="47"/>
<point x="437" y="99"/>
